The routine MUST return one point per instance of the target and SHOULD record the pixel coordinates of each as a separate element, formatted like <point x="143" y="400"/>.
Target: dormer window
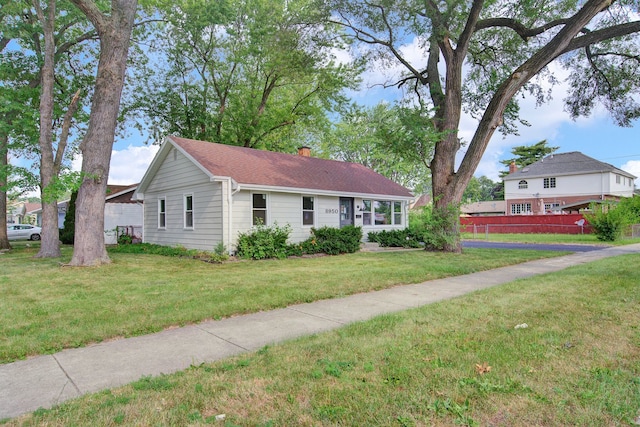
<point x="522" y="185"/>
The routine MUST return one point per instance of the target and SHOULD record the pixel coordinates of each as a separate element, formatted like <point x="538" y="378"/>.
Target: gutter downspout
<point x="230" y="194"/>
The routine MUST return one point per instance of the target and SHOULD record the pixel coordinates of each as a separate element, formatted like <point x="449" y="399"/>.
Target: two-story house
<point x="564" y="182"/>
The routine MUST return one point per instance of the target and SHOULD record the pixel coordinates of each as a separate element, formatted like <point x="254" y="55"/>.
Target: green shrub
<point x="67" y="234"/>
<point x="334" y="241"/>
<point x="395" y="238"/>
<point x="264" y="242"/>
<point x="428" y="227"/>
<point x="608" y="220"/>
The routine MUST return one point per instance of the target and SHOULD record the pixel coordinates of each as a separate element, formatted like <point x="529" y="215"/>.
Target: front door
<point x="346" y="211"/>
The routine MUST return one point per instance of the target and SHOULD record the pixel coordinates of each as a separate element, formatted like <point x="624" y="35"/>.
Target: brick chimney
<point x="304" y="151"/>
<point x="512" y="167"/>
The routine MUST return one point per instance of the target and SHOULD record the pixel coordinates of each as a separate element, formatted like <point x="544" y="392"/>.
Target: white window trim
<point x="523" y="184"/>
<point x="160" y="199"/>
<point x="315" y="215"/>
<point x="266" y="209"/>
<point x="184" y="212"/>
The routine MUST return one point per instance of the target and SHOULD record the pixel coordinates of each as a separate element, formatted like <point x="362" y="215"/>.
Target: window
<point x="397" y="213"/>
<point x="188" y="211"/>
<point x="259" y="208"/>
<point x="162" y="213"/>
<point x="307" y="210"/>
<point x="617" y="179"/>
<point x="520" y="208"/>
<point x="523" y="185"/>
<point x="382" y="212"/>
<point x="549" y="183"/>
<point x="550" y="206"/>
<point x="366" y="212"/>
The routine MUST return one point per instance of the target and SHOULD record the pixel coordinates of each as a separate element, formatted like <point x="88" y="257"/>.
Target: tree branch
<point x="64" y="135"/>
<point x="524" y="32"/>
<point x="603" y="34"/>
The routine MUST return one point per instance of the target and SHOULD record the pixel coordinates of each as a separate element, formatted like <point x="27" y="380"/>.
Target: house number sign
<point x="331" y="211"/>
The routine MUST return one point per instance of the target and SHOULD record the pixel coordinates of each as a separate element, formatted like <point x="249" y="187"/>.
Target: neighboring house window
<point x="259" y="208"/>
<point x="549" y="183"/>
<point x="308" y="211"/>
<point x="188" y="211"/>
<point x="397" y="213"/>
<point x="523" y="185"/>
<point x="366" y="212"/>
<point x="162" y="213"/>
<point x="549" y="206"/>
<point x="520" y="208"/>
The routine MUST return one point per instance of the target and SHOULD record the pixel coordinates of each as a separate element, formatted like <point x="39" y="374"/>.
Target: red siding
<point x="543" y="224"/>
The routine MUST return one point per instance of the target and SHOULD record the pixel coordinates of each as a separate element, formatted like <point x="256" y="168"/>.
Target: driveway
<point x="537" y="246"/>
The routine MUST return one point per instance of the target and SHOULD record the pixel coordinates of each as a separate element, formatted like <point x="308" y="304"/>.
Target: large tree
<point x="244" y="72"/>
<point x="492" y="51"/>
<point x="114" y="31"/>
<point x="50" y="158"/>
<point x="394" y="141"/>
<point x="41" y="66"/>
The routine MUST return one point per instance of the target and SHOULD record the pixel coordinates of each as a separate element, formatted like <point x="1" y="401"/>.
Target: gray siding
<point x="177" y="177"/>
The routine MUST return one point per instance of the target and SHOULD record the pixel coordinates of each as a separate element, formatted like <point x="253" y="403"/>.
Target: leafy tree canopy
<point x="252" y="73"/>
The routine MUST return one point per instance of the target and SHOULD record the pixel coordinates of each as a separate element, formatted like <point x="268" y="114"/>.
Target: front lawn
<point x="552" y="350"/>
<point x="46" y="307"/>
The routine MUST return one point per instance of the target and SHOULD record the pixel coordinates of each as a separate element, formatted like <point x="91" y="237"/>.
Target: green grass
<point x="587" y="239"/>
<point x="46" y="307"/>
<point x="577" y="363"/>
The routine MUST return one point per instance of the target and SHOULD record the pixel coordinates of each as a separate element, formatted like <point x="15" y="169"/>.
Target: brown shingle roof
<point x="125" y="192"/>
<point x="266" y="168"/>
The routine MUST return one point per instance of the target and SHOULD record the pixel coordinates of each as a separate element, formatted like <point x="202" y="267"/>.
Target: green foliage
<point x="335" y="241"/>
<point x="395" y="238"/>
<point x="253" y="73"/>
<point x="271" y="242"/>
<point x="610" y="220"/>
<point x="428" y="227"/>
<point x="607" y="221"/>
<point x="394" y="141"/>
<point x="67" y="234"/>
<point x="264" y="242"/>
<point x="524" y="155"/>
<point x="125" y="239"/>
<point x="482" y="189"/>
<point x="169" y="251"/>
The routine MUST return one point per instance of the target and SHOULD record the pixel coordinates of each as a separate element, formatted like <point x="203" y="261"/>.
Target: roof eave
<point x="320" y="192"/>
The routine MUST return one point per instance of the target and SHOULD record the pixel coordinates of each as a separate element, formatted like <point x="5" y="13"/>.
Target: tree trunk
<point x="50" y="243"/>
<point x="4" y="174"/>
<point x="115" y="33"/>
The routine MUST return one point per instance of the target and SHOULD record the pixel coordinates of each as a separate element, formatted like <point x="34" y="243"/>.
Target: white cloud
<point x="129" y="165"/>
<point x="633" y="167"/>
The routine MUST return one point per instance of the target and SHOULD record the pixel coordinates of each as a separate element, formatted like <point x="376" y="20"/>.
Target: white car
<point x="23" y="232"/>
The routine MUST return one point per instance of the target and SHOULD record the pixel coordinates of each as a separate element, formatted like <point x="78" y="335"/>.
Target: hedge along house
<point x="199" y="194"/>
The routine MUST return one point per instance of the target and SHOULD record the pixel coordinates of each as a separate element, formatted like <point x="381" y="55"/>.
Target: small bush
<point x="264" y="242"/>
<point x="608" y="221"/>
<point x="334" y="241"/>
<point x="395" y="238"/>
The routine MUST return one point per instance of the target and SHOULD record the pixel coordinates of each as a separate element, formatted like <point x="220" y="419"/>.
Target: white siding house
<point x="564" y="182"/>
<point x="199" y="194"/>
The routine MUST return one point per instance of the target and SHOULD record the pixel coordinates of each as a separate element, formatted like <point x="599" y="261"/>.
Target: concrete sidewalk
<point x="45" y="381"/>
